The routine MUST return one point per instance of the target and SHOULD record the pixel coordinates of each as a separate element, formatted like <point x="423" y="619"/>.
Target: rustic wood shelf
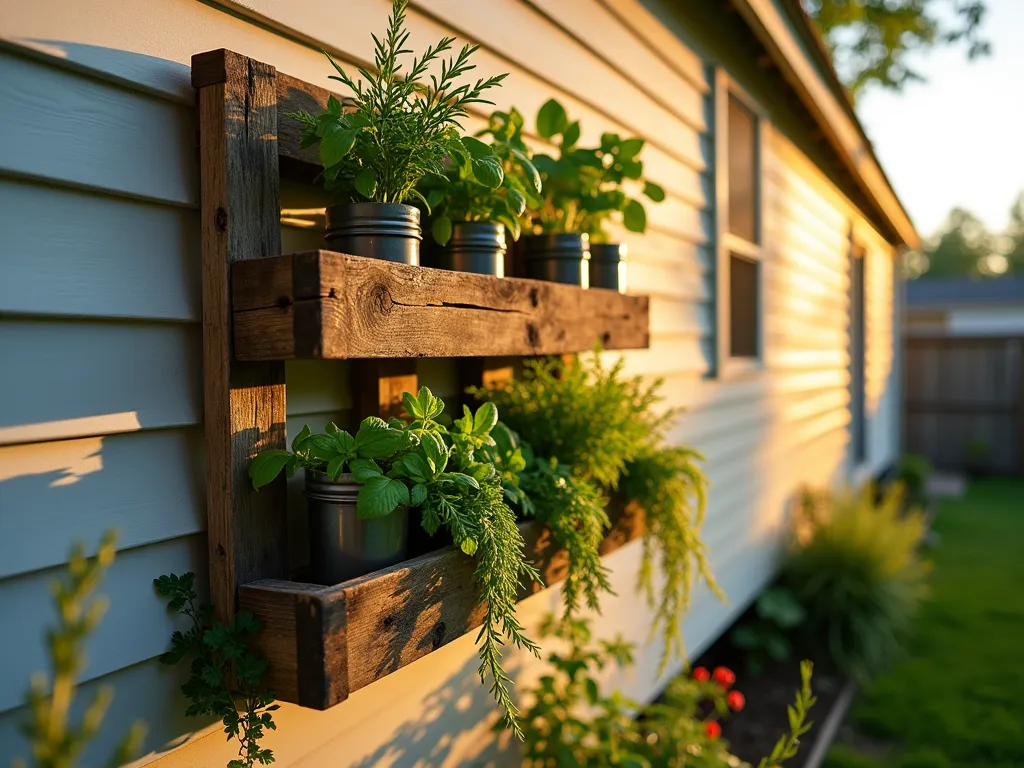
<point x="329" y="305"/>
<point x="323" y="643"/>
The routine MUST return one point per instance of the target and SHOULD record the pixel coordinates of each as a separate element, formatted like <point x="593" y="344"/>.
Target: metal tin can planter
<point x="562" y="258"/>
<point x="475" y="246"/>
<point x="343" y="545"/>
<point x="608" y="266"/>
<point x="388" y="231"/>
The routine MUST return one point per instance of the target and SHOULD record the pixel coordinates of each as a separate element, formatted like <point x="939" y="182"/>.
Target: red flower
<point x="713" y="729"/>
<point x="701" y="675"/>
<point x="723" y="676"/>
<point x="735" y="700"/>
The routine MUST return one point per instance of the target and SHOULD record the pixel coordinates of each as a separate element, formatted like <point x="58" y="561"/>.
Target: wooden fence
<point x="964" y="401"/>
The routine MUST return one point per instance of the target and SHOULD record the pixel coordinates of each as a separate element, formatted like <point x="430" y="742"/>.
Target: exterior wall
<point x="100" y="423"/>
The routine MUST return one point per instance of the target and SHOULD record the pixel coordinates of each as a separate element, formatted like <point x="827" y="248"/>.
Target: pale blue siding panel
<point x="135" y="628"/>
<point x="147" y="485"/>
<point x="76" y="130"/>
<point x="87" y="378"/>
<point x="70" y="253"/>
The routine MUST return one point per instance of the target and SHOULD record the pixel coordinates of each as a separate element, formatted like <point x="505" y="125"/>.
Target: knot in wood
<point x="532" y="334"/>
<point x="437" y="635"/>
<point x="534" y="298"/>
<point x="380" y="299"/>
<point x="220" y="219"/>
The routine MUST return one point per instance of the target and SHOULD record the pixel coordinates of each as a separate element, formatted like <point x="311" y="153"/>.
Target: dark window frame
<point x="733" y="246"/>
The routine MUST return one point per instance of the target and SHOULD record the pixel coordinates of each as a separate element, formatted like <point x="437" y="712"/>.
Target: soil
<point x="753" y="731"/>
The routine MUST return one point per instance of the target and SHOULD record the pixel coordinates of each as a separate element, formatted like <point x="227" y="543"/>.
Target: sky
<point x="958" y="139"/>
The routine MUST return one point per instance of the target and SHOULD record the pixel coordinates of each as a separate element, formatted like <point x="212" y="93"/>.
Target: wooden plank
<point x="328" y="305"/>
<point x="245" y="403"/>
<point x="324" y="643"/>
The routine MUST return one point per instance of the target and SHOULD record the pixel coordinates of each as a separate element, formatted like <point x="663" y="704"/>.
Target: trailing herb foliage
<point x="54" y="740"/>
<point x="398" y="125"/>
<point x="596" y="432"/>
<point x="586" y="187"/>
<point x="460" y="195"/>
<point x="224" y="673"/>
<point x="571" y="722"/>
<point x="448" y="474"/>
<point x="670" y="487"/>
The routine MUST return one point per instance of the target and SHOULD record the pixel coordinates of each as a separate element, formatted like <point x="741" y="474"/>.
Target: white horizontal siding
<point x="105" y="298"/>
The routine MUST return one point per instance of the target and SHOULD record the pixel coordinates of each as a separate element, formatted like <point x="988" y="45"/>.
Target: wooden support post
<point x="484" y="372"/>
<point x="244" y="402"/>
<point x="378" y="385"/>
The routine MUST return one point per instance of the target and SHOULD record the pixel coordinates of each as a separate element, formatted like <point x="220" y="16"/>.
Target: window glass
<point x="743" y="307"/>
<point x="742" y="171"/>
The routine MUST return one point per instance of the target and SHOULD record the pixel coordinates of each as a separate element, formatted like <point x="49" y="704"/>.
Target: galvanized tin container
<point x="475" y="246"/>
<point x="560" y="258"/>
<point x="608" y="266"/>
<point x="388" y="231"/>
<point x="343" y="545"/>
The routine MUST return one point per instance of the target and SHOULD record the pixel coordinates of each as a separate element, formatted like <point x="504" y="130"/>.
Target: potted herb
<point x="391" y="467"/>
<point x="472" y="207"/>
<point x="584" y="189"/>
<point x="378" y="143"/>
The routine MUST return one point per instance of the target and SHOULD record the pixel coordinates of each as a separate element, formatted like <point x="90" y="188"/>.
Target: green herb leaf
<point x="418" y="495"/>
<point x="364" y="469"/>
<point x="335" y="467"/>
<point x="551" y="119"/>
<point x="442" y="231"/>
<point x="485" y="419"/>
<point x="266" y="466"/>
<point x="529" y="168"/>
<point x="365" y="183"/>
<point x="571" y="135"/>
<point x="654" y="192"/>
<point x="476" y="148"/>
<point x="417" y="466"/>
<point x="300" y="438"/>
<point x="629" y="149"/>
<point x="468" y="545"/>
<point x="634" y="216"/>
<point x="488" y="171"/>
<point x="380" y="496"/>
<point x="516" y="202"/>
<point x="435" y="451"/>
<point x="335" y="144"/>
<point x="465" y="481"/>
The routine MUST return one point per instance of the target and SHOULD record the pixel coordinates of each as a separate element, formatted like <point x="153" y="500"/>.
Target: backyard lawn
<point x="957" y="699"/>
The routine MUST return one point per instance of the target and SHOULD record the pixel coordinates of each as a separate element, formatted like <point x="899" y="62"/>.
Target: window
<point x="858" y="355"/>
<point x="738" y="136"/>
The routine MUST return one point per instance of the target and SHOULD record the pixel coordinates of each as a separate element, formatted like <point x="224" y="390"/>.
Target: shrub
<point x="913" y="471"/>
<point x="859" y="578"/>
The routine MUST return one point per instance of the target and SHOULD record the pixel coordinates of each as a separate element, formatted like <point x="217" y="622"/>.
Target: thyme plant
<point x="447" y="475"/>
<point x="398" y="125"/>
<point x="55" y="740"/>
<point x="585" y="188"/>
<point x="460" y="195"/>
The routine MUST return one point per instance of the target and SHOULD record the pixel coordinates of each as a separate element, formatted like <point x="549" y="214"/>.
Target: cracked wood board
<point x="321" y="304"/>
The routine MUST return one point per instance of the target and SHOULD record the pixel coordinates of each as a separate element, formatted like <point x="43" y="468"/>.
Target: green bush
<point x="859" y="577"/>
<point x="913" y="471"/>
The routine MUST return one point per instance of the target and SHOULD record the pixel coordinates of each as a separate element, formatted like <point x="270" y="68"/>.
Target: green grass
<point x="957" y="698"/>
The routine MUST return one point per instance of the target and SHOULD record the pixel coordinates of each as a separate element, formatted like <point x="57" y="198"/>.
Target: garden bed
<point x="753" y="731"/>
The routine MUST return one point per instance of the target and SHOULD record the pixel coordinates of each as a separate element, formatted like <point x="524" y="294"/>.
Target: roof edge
<point x="829" y="104"/>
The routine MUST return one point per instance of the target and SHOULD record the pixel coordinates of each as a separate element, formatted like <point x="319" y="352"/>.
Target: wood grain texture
<point x="322" y="304"/>
<point x="244" y="403"/>
<point x="323" y="643"/>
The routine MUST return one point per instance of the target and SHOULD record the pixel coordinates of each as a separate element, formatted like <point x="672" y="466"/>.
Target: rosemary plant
<point x="397" y="125"/>
<point x="585" y="188"/>
<point x="445" y="472"/>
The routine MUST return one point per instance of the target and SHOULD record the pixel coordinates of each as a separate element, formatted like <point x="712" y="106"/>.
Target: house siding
<point x="100" y="421"/>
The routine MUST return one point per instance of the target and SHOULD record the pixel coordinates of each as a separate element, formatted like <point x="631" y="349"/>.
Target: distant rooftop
<point x="945" y="291"/>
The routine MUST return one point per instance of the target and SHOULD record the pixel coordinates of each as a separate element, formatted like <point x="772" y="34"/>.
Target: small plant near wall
<point x="397" y="126"/>
<point x="445" y="474"/>
<point x="585" y="189"/>
<point x="589" y="432"/>
<point x="766" y="635"/>
<point x="859" y="577"/>
<point x="571" y="722"/>
<point x="224" y="672"/>
<point x="55" y="741"/>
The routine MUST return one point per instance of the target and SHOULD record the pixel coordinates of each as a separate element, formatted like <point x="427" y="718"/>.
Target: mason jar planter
<point x="388" y="231"/>
<point x="608" y="266"/>
<point x="475" y="246"/>
<point x="558" y="258"/>
<point x="343" y="545"/>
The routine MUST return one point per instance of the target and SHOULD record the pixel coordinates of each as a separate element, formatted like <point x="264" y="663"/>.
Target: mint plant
<point x="225" y="671"/>
<point x="398" y="125"/>
<point x="460" y="195"/>
<point x="446" y="474"/>
<point x="587" y="187"/>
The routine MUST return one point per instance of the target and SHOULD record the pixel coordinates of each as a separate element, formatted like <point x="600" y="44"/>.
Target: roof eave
<point x="830" y="107"/>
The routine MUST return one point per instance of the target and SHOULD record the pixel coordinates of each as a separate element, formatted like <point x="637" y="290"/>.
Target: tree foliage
<point x="871" y="40"/>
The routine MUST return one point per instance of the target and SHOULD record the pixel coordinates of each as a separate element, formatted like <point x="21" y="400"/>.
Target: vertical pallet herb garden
<point x="262" y="307"/>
